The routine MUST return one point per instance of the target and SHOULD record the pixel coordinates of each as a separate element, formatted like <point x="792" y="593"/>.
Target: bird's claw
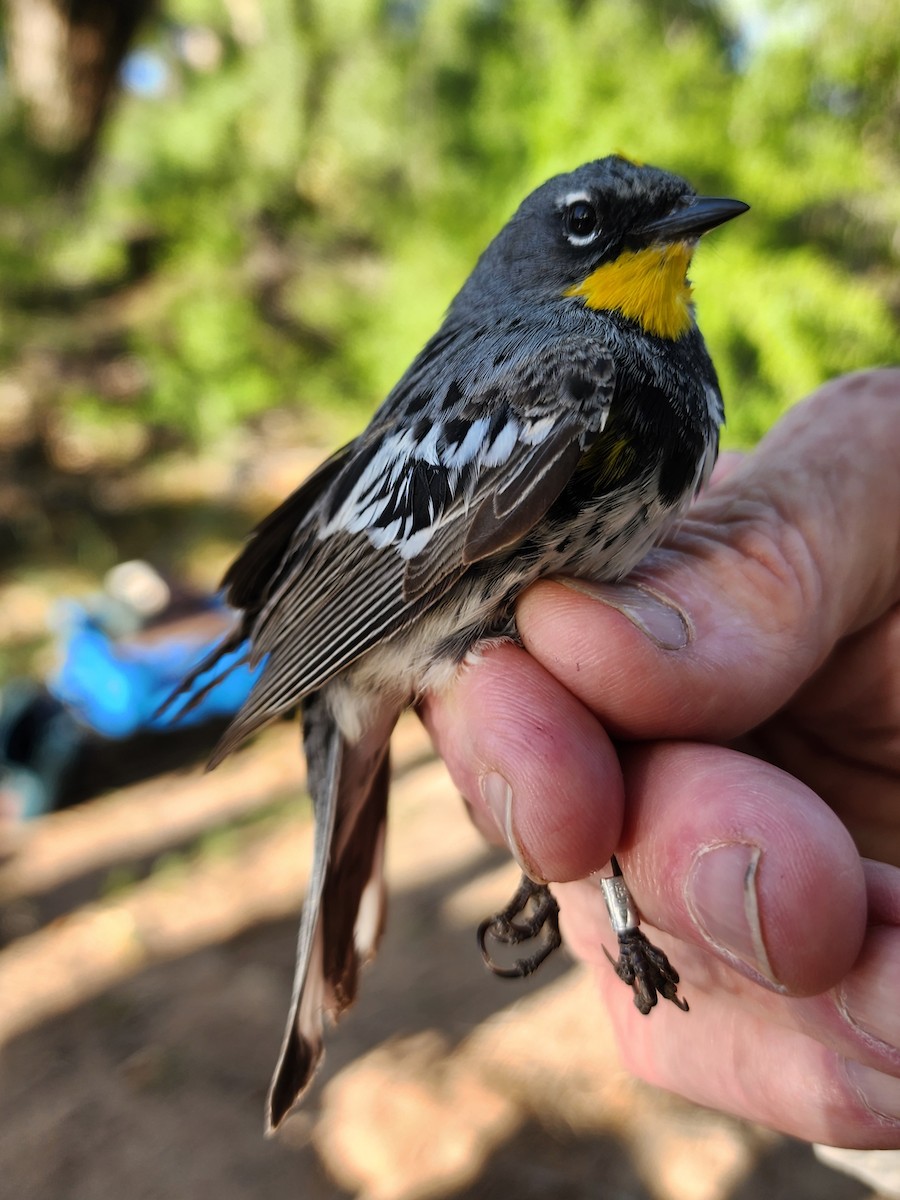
<point x="646" y="970"/>
<point x="514" y="925"/>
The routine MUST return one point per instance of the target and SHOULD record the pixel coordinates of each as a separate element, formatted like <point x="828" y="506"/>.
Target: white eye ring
<point x="589" y="219"/>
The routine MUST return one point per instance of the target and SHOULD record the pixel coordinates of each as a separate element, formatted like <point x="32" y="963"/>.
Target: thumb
<point x="796" y="547"/>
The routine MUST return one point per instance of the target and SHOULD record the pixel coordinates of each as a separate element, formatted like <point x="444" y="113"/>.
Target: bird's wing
<point x="247" y="583"/>
<point x="397" y="517"/>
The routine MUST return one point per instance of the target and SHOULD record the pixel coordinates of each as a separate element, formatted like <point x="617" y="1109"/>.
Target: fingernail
<point x="655" y="615"/>
<point x="868" y="997"/>
<point x="498" y="796"/>
<point x="879" y="1092"/>
<point x="721" y="895"/>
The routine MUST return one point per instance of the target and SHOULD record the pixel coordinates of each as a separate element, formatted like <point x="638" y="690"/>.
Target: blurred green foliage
<point x="284" y="218"/>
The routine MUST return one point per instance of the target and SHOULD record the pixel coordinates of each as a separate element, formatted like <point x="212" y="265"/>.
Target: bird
<point x="560" y="420"/>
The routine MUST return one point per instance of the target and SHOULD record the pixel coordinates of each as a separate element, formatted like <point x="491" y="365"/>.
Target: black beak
<point x="702" y="214"/>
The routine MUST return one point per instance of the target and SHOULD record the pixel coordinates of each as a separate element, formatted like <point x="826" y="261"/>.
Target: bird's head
<point x="613" y="235"/>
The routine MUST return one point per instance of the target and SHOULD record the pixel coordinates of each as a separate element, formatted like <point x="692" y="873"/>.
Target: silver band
<point x="622" y="913"/>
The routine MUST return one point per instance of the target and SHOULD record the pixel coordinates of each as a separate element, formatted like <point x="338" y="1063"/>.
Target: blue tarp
<point x="117" y="688"/>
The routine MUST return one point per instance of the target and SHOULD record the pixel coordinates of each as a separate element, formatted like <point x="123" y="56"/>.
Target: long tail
<point x="343" y="916"/>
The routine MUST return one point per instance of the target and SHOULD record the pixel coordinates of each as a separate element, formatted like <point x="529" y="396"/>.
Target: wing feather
<point x="521" y="499"/>
<point x="250" y="578"/>
<point x="400" y="515"/>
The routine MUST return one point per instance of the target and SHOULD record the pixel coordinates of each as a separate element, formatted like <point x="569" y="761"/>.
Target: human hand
<point x="769" y="621"/>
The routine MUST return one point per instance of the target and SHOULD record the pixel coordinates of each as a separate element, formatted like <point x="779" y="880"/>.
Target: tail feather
<point x="302" y="1049"/>
<point x="355" y="874"/>
<point x="344" y="910"/>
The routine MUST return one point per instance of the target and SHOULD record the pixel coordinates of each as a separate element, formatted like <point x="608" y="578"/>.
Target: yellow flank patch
<point x="609" y="460"/>
<point x="619" y="457"/>
<point x="649" y="286"/>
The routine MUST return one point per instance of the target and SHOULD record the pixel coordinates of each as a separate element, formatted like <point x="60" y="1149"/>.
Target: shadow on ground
<point x="142" y="1028"/>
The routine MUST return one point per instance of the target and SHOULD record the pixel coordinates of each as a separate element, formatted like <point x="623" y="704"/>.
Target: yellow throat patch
<point x="649" y="286"/>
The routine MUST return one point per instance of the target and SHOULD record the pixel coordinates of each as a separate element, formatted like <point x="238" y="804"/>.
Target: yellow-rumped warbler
<point x="559" y="421"/>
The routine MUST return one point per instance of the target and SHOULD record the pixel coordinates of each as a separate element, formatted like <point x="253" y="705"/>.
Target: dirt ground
<point x="148" y="944"/>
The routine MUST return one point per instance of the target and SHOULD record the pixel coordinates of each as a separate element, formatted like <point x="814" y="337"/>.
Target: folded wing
<point x="386" y="526"/>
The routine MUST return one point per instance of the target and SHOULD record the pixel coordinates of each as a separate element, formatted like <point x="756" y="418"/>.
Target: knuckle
<point x="780" y="561"/>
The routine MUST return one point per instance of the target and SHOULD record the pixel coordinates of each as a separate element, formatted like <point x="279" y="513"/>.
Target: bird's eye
<point x="580" y="222"/>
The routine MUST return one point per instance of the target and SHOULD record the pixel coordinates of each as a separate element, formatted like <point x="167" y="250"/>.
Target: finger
<point x="718" y="629"/>
<point x="727" y="462"/>
<point x="858" y="1018"/>
<point x="731" y="855"/>
<point x="840" y="734"/>
<point x="532" y="762"/>
<point x="883" y="887"/>
<point x="847" y="1037"/>
<point x="721" y="1056"/>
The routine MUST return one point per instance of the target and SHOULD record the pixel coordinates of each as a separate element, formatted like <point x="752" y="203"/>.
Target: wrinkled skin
<point x="728" y="722"/>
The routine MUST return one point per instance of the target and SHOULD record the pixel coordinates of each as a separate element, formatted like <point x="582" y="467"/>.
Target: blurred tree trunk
<point x="64" y="60"/>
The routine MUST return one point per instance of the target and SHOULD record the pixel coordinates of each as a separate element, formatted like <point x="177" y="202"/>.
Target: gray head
<point x="576" y="223"/>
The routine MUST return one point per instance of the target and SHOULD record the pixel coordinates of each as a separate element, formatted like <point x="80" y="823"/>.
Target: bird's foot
<point x="646" y="970"/>
<point x="531" y="913"/>
<point x="641" y="965"/>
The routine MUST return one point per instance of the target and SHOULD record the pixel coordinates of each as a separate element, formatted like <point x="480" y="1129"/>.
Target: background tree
<point x="64" y="60"/>
<point x="287" y="195"/>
